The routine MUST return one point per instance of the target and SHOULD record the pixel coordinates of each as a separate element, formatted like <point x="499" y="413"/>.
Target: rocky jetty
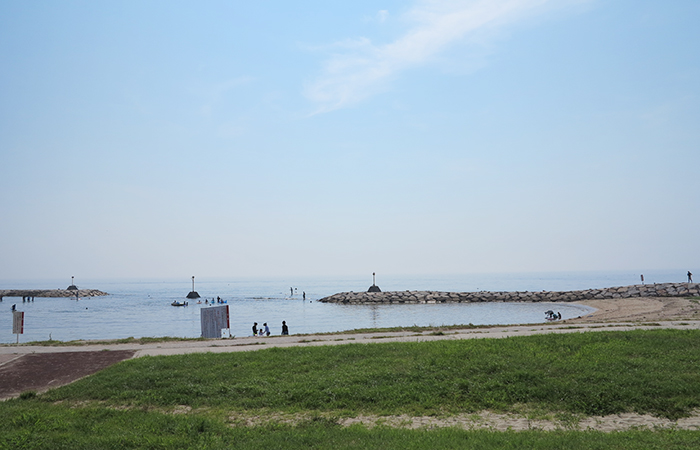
<point x="53" y="293"/>
<point x="411" y="297"/>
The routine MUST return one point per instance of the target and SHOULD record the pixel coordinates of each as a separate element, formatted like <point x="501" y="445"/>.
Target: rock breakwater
<point x="53" y="293"/>
<point x="413" y="297"/>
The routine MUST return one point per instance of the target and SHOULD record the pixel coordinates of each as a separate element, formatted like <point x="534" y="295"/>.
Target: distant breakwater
<point x="413" y="297"/>
<point x="52" y="293"/>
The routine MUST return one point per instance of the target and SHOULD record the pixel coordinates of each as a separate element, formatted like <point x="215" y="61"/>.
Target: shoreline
<point x="610" y="315"/>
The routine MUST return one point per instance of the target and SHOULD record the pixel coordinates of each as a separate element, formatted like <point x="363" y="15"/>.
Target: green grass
<point x="599" y="373"/>
<point x="131" y="404"/>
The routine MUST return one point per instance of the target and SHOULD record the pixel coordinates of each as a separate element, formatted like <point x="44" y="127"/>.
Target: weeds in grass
<point x="26" y="395"/>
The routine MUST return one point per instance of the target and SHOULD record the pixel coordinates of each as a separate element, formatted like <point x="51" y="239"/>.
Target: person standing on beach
<point x="285" y="329"/>
<point x="255" y="328"/>
<point x="690" y="277"/>
<point x="267" y="330"/>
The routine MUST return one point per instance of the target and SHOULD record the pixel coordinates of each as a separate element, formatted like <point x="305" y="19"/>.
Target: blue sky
<point x="234" y="139"/>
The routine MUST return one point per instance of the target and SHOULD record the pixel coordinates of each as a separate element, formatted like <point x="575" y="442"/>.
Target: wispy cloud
<point x="359" y="68"/>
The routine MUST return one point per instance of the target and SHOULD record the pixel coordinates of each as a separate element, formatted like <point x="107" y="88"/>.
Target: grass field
<point x="130" y="404"/>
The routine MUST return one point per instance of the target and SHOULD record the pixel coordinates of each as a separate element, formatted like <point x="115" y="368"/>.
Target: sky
<point x="312" y="138"/>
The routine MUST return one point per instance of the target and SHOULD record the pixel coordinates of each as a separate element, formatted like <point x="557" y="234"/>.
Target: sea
<point x="142" y="308"/>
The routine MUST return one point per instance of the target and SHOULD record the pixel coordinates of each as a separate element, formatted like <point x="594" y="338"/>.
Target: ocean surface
<point x="141" y="308"/>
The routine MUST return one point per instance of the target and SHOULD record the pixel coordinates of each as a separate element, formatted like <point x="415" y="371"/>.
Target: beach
<point x="17" y="363"/>
<point x="641" y="309"/>
<point x="60" y="365"/>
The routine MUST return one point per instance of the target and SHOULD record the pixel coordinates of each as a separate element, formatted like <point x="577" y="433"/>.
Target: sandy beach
<point x="642" y="309"/>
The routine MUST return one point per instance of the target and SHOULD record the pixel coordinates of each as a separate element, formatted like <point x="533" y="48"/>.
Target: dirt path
<point x="43" y="371"/>
<point x="487" y="420"/>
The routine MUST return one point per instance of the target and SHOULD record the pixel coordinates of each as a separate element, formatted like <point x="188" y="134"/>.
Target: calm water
<point x="142" y="308"/>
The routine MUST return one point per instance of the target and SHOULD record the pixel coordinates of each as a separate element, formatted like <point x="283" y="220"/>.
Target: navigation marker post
<point x="17" y="323"/>
<point x="374" y="287"/>
<point x="193" y="293"/>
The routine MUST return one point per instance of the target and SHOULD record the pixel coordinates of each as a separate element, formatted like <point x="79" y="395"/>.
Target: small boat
<point x="176" y="303"/>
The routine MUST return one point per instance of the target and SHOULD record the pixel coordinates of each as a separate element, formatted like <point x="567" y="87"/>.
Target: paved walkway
<point x="239" y="344"/>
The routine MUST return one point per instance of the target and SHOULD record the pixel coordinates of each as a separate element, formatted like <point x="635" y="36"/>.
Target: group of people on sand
<point x="265" y="330"/>
<point x="551" y="315"/>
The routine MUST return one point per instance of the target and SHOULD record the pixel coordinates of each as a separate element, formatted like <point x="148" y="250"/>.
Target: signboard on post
<point x="18" y="323"/>
<point x="213" y="320"/>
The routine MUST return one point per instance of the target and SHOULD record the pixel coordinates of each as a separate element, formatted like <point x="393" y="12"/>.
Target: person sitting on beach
<point x="267" y="330"/>
<point x="260" y="332"/>
<point x="285" y="329"/>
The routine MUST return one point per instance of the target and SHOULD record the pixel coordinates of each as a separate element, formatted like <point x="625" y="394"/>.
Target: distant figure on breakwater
<point x="14" y="307"/>
<point x="285" y="329"/>
<point x="642" y="278"/>
<point x="690" y="277"/>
